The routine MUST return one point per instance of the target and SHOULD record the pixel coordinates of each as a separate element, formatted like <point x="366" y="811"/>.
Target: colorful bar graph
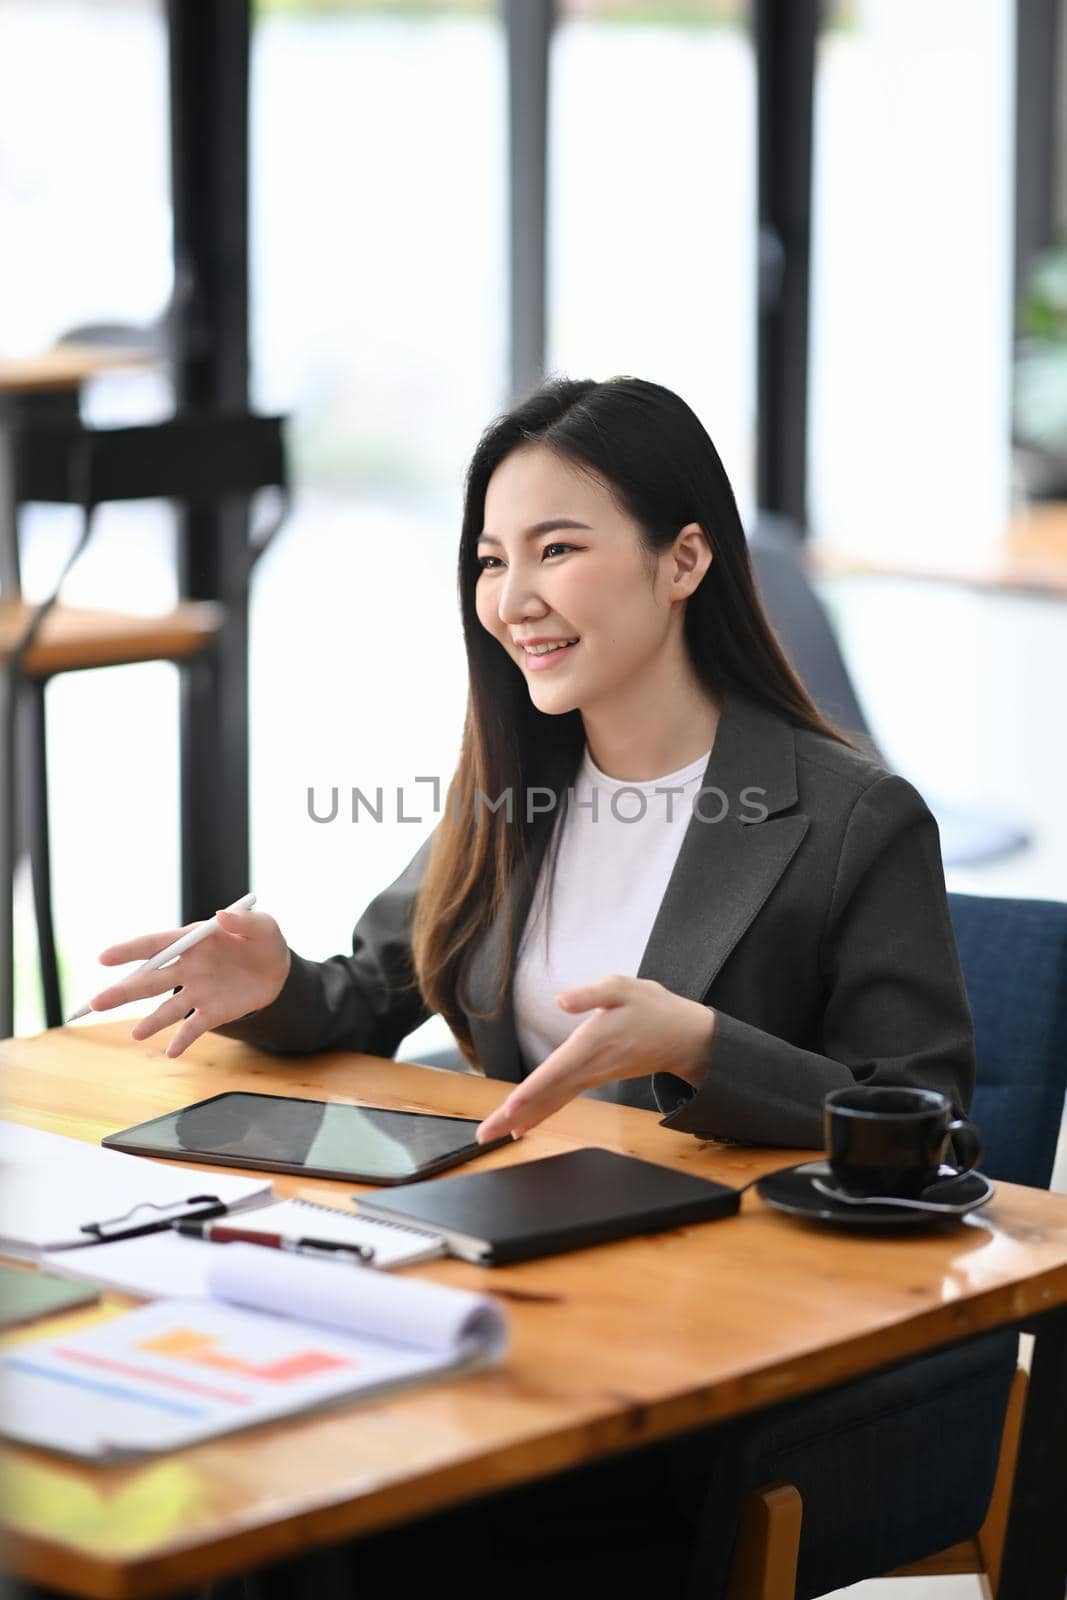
<point x="187" y="1344"/>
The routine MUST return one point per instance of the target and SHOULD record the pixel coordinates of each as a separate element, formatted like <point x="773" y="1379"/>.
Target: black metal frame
<point x="32" y="801"/>
<point x="9" y="845"/>
<point x="1038" y="25"/>
<point x="529" y="31"/>
<point x="17" y="719"/>
<point x="785" y="32"/>
<point x="208" y="326"/>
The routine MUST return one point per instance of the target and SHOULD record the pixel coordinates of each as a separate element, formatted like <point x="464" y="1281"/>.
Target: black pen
<point x="222" y="1233"/>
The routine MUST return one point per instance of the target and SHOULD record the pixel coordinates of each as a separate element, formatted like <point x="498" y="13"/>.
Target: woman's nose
<point x="517" y="597"/>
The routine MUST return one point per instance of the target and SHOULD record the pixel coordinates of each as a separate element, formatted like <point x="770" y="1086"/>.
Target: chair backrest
<point x="800" y="620"/>
<point x="1014" y="956"/>
<point x="194" y="458"/>
<point x="191" y="458"/>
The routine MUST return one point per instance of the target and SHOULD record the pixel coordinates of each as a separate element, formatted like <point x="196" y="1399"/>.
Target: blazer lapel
<point x="726" y="870"/>
<point x="724" y="873"/>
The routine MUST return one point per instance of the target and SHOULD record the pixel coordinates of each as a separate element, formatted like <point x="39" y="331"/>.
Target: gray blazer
<point x="819" y="932"/>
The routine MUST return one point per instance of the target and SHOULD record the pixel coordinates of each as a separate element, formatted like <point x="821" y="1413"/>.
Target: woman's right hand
<point x="240" y="967"/>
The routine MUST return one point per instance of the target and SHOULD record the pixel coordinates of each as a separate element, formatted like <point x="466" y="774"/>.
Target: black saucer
<point x="793" y="1190"/>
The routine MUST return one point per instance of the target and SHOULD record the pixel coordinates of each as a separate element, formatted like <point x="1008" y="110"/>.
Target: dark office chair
<point x="803" y="627"/>
<point x="1014" y="956"/>
<point x="193" y="459"/>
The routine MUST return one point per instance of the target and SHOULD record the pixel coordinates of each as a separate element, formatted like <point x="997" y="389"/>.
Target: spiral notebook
<point x="167" y="1264"/>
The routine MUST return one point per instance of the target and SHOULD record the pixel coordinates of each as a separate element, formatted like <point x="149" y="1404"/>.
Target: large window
<point x="379" y="166"/>
<point x="652" y="200"/>
<point x="85" y="220"/>
<point x="912" y="276"/>
<point x="84" y="207"/>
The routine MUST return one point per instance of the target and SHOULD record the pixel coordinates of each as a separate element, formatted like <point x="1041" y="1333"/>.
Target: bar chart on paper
<point x="203" y="1349"/>
<point x="178" y="1371"/>
<point x="173" y="1371"/>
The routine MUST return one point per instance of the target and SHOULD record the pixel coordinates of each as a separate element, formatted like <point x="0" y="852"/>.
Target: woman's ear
<point x="692" y="558"/>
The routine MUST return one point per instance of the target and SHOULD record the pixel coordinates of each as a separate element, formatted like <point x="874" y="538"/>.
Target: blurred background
<point x="833" y="228"/>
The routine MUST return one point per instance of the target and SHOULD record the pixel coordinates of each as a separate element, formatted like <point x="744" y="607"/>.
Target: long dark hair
<point x="653" y="454"/>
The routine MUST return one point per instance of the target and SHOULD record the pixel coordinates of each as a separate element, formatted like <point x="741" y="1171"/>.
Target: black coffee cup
<point x="892" y="1141"/>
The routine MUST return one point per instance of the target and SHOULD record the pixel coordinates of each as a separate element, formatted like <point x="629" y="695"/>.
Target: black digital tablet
<point x="319" y="1138"/>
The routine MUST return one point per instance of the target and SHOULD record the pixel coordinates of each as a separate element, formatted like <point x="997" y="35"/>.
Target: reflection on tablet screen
<point x="311" y="1134"/>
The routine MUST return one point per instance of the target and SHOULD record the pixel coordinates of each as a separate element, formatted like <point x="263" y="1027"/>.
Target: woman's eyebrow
<point x="540" y="527"/>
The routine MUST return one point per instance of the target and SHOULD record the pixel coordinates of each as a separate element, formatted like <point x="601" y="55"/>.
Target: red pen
<point x="223" y="1233"/>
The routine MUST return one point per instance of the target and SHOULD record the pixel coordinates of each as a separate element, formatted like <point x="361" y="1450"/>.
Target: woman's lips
<point x="551" y="659"/>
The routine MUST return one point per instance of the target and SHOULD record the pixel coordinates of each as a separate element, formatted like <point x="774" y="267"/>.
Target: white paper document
<point x="51" y="1187"/>
<point x="179" y="1371"/>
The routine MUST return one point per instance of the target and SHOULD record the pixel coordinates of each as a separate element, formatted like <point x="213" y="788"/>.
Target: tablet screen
<point x="317" y="1137"/>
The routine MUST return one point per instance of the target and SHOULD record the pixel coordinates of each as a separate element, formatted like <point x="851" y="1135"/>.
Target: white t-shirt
<point x="610" y="879"/>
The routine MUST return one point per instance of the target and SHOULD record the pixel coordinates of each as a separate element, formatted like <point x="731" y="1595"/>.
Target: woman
<point x="660" y="877"/>
<point x="776" y="929"/>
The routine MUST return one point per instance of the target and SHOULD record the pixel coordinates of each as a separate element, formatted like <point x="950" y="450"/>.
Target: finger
<point x="135" y="987"/>
<point x="245" y="924"/>
<point x="190" y="1030"/>
<point x="149" y="944"/>
<point x="171" y="1011"/>
<point x="498" y="1125"/>
<point x="612" y="991"/>
<point x="519" y="1116"/>
<point x="552" y="1085"/>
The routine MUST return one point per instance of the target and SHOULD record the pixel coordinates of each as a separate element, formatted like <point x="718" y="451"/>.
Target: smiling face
<point x="561" y="563"/>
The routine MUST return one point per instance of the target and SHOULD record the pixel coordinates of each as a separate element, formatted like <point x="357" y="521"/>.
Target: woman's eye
<point x="548" y="549"/>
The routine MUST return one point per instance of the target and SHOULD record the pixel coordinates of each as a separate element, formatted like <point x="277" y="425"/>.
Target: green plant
<point x="1040" y="397"/>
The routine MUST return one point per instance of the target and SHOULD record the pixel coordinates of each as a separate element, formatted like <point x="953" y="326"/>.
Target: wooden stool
<point x="47" y="454"/>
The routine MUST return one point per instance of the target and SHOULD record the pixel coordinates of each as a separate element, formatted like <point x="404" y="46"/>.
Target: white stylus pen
<point x="178" y="948"/>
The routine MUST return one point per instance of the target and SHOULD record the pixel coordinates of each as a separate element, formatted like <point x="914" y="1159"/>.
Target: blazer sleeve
<point x="895" y="1011"/>
<point x="357" y="1002"/>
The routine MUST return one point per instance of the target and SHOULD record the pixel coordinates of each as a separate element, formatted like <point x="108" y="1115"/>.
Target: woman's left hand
<point x="636" y="1027"/>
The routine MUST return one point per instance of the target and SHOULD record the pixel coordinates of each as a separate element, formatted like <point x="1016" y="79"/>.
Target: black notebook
<point x="559" y="1203"/>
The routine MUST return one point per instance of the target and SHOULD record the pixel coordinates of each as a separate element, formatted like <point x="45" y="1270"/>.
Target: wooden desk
<point x="66" y="366"/>
<point x="1030" y="559"/>
<point x="611" y="1347"/>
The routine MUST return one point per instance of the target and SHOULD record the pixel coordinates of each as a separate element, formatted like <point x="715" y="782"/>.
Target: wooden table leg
<point x="1035" y="1549"/>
